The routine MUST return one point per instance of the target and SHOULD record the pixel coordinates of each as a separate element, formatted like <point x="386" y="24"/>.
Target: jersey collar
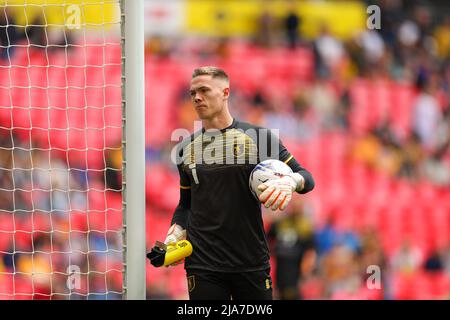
<point x="232" y="125"/>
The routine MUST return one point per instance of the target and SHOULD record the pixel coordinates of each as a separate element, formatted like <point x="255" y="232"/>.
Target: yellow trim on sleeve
<point x="182" y="187"/>
<point x="289" y="159"/>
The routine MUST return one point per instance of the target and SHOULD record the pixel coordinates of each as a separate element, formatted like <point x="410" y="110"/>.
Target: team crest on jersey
<point x="268" y="284"/>
<point x="191" y="283"/>
<point x="238" y="149"/>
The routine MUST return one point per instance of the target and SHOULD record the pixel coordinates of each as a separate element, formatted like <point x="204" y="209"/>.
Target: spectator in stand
<point x="436" y="169"/>
<point x="9" y="34"/>
<point x="422" y="16"/>
<point x="222" y="48"/>
<point x="113" y="176"/>
<point x="443" y="131"/>
<point x="339" y="269"/>
<point x="330" y="236"/>
<point x="304" y="115"/>
<point x="372" y="254"/>
<point x="372" y="45"/>
<point x="427" y="115"/>
<point x="36" y="33"/>
<point x="323" y="99"/>
<point x="412" y="157"/>
<point x="60" y="38"/>
<point x="434" y="262"/>
<point x="157" y="47"/>
<point x="392" y="14"/>
<point x="442" y="36"/>
<point x="292" y="238"/>
<point x="260" y="100"/>
<point x="407" y="259"/>
<point x="408" y="35"/>
<point x="292" y="26"/>
<point x="344" y="107"/>
<point x="329" y="52"/>
<point x="6" y="178"/>
<point x="379" y="151"/>
<point x="389" y="156"/>
<point x="265" y="35"/>
<point x="446" y="259"/>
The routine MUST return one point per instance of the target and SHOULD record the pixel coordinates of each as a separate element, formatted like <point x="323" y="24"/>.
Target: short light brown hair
<point x="214" y="72"/>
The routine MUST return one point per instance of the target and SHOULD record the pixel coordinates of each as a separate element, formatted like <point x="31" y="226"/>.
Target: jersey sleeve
<point x="180" y="216"/>
<point x="285" y="156"/>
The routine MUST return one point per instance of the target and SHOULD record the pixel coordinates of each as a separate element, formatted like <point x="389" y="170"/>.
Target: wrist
<point x="175" y="234"/>
<point x="299" y="181"/>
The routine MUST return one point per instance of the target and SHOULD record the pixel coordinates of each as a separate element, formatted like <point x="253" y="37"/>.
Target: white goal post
<point x="134" y="146"/>
<point x="72" y="149"/>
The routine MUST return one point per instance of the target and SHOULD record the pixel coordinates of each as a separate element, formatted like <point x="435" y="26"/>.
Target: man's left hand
<point x="277" y="193"/>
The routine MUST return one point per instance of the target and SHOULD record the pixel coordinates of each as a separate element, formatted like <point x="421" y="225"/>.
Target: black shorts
<point x="210" y="285"/>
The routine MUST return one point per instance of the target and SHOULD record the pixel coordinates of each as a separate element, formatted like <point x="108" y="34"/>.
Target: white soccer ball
<point x="265" y="171"/>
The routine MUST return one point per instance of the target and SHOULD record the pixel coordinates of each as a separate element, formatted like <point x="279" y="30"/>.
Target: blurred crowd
<point x="412" y="47"/>
<point x="334" y="263"/>
<point x="37" y="34"/>
<point x="60" y="221"/>
<point x="46" y="232"/>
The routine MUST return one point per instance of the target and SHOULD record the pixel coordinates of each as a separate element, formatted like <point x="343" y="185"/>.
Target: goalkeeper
<point x="217" y="212"/>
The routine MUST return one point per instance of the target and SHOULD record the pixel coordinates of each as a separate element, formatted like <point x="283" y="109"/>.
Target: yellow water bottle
<point x="165" y="255"/>
<point x="177" y="252"/>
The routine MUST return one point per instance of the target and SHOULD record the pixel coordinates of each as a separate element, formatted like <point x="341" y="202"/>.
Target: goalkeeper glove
<point x="277" y="193"/>
<point x="175" y="234"/>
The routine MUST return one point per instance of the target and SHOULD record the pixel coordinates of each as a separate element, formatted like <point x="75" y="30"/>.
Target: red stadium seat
<point x="421" y="285"/>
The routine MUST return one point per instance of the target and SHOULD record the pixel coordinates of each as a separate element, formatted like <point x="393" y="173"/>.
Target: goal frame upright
<point x="133" y="149"/>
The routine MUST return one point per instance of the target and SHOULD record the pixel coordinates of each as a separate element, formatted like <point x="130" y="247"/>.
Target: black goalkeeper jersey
<point x="221" y="215"/>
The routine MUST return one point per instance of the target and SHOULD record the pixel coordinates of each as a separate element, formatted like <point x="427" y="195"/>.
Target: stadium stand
<point x="354" y="192"/>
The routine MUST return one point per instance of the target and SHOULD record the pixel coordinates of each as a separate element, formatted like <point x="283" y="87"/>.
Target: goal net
<point x="60" y="150"/>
